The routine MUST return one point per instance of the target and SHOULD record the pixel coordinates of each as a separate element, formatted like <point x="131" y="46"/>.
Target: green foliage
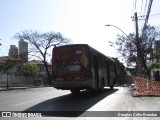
<point x="6" y="66"/>
<point x="156" y="65"/>
<point x="120" y="72"/>
<point x="0" y="43"/>
<point x="120" y="68"/>
<point x="41" y="44"/>
<point x="28" y="70"/>
<point x="132" y="71"/>
<point x="1" y="67"/>
<point x="127" y="46"/>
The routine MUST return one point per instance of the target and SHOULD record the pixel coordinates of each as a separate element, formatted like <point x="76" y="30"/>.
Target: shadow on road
<point x="69" y="105"/>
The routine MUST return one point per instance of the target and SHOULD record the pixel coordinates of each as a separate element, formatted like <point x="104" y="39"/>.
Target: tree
<point x="149" y="37"/>
<point x="127" y="47"/>
<point x="0" y="44"/>
<point x="29" y="70"/>
<point x="5" y="67"/>
<point x="1" y="67"/>
<point x="41" y="44"/>
<point x="120" y="72"/>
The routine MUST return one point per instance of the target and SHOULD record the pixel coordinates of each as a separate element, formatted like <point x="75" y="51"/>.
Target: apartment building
<point x="13" y="51"/>
<point x="23" y="50"/>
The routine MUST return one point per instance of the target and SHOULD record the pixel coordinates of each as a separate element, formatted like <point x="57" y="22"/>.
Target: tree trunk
<point x="33" y="79"/>
<point x="48" y="73"/>
<point x="146" y="69"/>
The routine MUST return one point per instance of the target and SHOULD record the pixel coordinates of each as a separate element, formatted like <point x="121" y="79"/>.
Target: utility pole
<point x="138" y="61"/>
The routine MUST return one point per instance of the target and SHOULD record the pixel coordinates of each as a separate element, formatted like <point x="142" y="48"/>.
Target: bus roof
<point x="87" y="46"/>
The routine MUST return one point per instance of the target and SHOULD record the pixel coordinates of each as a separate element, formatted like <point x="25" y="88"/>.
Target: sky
<point x="82" y="21"/>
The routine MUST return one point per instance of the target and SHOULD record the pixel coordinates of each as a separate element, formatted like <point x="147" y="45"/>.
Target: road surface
<point x="48" y="101"/>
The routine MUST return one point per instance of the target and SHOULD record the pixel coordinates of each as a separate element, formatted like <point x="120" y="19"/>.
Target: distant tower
<point x="13" y="51"/>
<point x="23" y="50"/>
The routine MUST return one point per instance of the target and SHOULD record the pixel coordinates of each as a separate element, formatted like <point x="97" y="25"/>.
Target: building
<point x="157" y="47"/>
<point x="40" y="66"/>
<point x="13" y="51"/>
<point x="156" y="68"/>
<point x="14" y="62"/>
<point x="156" y="51"/>
<point x="42" y="75"/>
<point x="10" y="75"/>
<point x="23" y="50"/>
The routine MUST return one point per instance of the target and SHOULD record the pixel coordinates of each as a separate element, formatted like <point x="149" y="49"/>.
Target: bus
<point x="78" y="66"/>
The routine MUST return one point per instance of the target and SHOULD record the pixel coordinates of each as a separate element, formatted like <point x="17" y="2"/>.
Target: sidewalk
<point x="17" y="88"/>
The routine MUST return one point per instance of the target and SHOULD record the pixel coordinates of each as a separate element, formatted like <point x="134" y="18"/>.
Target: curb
<point x="18" y="88"/>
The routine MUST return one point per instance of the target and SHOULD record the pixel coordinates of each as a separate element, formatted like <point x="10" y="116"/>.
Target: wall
<point x="17" y="80"/>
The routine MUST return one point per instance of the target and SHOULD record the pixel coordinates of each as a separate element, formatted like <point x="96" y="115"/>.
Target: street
<point x="49" y="99"/>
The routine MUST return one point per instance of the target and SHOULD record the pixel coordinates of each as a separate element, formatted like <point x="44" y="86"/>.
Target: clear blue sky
<point x="83" y="21"/>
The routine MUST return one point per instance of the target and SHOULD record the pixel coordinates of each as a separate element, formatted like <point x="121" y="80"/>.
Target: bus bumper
<point x="71" y="85"/>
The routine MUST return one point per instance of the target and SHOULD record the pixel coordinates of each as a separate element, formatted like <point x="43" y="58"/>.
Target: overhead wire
<point x="154" y="15"/>
<point x="135" y="4"/>
<point x="145" y="7"/>
<point x="134" y="7"/>
<point x="141" y="8"/>
<point x="133" y="12"/>
<point x="141" y="14"/>
<point x="148" y="13"/>
<point x="144" y="14"/>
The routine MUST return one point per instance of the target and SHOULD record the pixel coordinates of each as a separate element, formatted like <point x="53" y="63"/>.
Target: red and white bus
<point x="79" y="66"/>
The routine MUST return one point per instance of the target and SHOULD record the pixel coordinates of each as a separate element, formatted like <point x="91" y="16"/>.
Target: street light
<point x="117" y="28"/>
<point x="139" y="64"/>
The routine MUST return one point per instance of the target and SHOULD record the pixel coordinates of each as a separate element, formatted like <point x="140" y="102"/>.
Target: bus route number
<point x="78" y="52"/>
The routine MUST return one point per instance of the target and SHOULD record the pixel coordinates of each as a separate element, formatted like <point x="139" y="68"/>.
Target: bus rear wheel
<point x="102" y="87"/>
<point x="75" y="91"/>
<point x="111" y="87"/>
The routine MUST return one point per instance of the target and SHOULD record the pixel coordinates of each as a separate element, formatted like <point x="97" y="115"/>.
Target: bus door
<point x="96" y="73"/>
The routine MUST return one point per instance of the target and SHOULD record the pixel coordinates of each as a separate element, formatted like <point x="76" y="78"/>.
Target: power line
<point x="134" y="7"/>
<point x="147" y="16"/>
<point x="141" y="7"/>
<point x="145" y="7"/>
<point x="152" y="15"/>
<point x="155" y="16"/>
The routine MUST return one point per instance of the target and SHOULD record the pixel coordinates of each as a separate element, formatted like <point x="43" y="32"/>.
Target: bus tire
<point x="111" y="87"/>
<point x="102" y="87"/>
<point x="75" y="91"/>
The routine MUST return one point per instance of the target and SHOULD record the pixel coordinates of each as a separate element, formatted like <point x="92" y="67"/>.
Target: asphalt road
<point x="48" y="101"/>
